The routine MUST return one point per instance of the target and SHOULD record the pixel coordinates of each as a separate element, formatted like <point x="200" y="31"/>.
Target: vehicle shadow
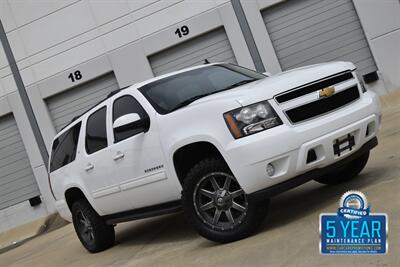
<point x="284" y="209"/>
<point x="163" y="229"/>
<point x="307" y="199"/>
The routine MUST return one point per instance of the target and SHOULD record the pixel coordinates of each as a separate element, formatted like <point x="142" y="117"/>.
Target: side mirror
<point x="267" y="73"/>
<point x="131" y="121"/>
<point x="126" y="120"/>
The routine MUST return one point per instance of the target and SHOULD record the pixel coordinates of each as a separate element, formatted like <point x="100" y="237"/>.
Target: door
<point x="64" y="106"/>
<point x="138" y="158"/>
<point x="95" y="164"/>
<point x="213" y="46"/>
<point x="305" y="32"/>
<point x="17" y="182"/>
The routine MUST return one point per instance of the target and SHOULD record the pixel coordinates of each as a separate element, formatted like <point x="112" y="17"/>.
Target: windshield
<point x="179" y="90"/>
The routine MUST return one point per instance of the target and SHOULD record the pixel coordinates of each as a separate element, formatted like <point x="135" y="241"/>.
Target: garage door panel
<point x="305" y="23"/>
<point x="347" y="52"/>
<point x="325" y="50"/>
<point x="13" y="159"/>
<point x="282" y="11"/>
<point x="19" y="195"/>
<point x="307" y="32"/>
<point x="304" y="16"/>
<point x="219" y="54"/>
<point x="213" y="46"/>
<point x="8" y="132"/>
<point x="315" y="30"/>
<point x="11" y="149"/>
<point x="65" y="106"/>
<point x="15" y="166"/>
<point x="194" y="57"/>
<point x="214" y="40"/>
<point x="322" y="43"/>
<point x="15" y="175"/>
<point x="12" y="185"/>
<point x="81" y="104"/>
<point x="17" y="182"/>
<point x="76" y="97"/>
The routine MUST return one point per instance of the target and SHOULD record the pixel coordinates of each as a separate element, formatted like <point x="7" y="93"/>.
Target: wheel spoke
<point x="229" y="216"/>
<point x="214" y="183"/>
<point x="207" y="206"/>
<point x="237" y="193"/>
<point x="227" y="183"/>
<point x="207" y="193"/>
<point x="91" y="235"/>
<point x="83" y="222"/>
<point x="238" y="207"/>
<point x="217" y="215"/>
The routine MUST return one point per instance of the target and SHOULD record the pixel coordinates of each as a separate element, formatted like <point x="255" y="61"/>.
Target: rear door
<point x="96" y="162"/>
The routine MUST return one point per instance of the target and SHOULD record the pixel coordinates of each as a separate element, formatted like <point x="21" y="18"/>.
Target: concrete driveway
<point x="289" y="236"/>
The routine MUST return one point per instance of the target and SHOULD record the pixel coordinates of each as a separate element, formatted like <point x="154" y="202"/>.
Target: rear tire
<point x="345" y="172"/>
<point x="94" y="234"/>
<point x="216" y="206"/>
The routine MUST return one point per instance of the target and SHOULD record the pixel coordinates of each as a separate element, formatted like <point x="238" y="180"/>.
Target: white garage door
<point x="17" y="182"/>
<point x="65" y="106"/>
<point x="305" y="32"/>
<point x="213" y="46"/>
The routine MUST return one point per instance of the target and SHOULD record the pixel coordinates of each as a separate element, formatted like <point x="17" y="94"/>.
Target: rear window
<point x="64" y="148"/>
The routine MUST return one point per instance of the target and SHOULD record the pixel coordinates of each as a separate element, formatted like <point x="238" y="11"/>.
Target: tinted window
<point x="122" y="106"/>
<point x="96" y="131"/>
<point x="171" y="92"/>
<point x="64" y="148"/>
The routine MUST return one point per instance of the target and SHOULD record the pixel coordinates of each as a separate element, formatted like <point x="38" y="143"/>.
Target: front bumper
<point x="286" y="147"/>
<point x="308" y="176"/>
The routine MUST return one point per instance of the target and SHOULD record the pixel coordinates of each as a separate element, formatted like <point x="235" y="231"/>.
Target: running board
<point x="142" y="213"/>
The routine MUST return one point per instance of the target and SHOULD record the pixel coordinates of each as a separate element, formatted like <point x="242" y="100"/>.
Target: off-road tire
<point x="103" y="234"/>
<point x="345" y="172"/>
<point x="256" y="211"/>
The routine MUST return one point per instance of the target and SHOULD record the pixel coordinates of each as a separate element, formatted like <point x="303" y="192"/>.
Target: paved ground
<point x="289" y="237"/>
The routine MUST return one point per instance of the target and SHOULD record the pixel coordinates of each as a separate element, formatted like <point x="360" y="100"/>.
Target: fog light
<point x="270" y="169"/>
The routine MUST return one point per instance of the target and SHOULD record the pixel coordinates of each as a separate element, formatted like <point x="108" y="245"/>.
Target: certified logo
<point x="353" y="229"/>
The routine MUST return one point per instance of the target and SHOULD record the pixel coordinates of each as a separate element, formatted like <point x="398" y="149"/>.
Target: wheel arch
<point x="186" y="156"/>
<point x="74" y="194"/>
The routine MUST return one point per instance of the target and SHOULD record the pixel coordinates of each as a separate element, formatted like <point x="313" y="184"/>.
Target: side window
<point x="126" y="105"/>
<point x="64" y="148"/>
<point x="96" y="131"/>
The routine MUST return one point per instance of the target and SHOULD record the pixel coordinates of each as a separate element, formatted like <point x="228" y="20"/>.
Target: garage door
<point x="17" y="182"/>
<point x="213" y="46"/>
<point x="305" y="32"/>
<point x="65" y="106"/>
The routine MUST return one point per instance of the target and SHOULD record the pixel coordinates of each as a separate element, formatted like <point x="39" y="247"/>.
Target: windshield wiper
<point x="190" y="100"/>
<point x="239" y="84"/>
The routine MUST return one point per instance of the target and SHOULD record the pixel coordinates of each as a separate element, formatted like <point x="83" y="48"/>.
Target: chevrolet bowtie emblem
<point x="326" y="92"/>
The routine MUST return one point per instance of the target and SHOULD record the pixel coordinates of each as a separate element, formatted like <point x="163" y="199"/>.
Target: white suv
<point x="217" y="141"/>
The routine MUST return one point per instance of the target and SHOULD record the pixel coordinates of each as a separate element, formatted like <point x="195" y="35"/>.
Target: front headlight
<point x="251" y="119"/>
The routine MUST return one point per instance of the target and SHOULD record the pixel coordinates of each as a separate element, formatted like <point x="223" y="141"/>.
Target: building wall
<point x="51" y="39"/>
<point x="381" y="22"/>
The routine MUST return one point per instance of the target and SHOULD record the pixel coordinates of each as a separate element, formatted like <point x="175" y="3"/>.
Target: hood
<point x="269" y="87"/>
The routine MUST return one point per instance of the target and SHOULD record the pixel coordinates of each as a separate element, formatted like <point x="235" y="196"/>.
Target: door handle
<point x="119" y="156"/>
<point x="89" y="167"/>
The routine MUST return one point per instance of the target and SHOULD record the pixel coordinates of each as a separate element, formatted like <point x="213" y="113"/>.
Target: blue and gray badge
<point x="353" y="229"/>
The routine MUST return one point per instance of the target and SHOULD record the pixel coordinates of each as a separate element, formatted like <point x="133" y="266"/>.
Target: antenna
<point x="206" y="61"/>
